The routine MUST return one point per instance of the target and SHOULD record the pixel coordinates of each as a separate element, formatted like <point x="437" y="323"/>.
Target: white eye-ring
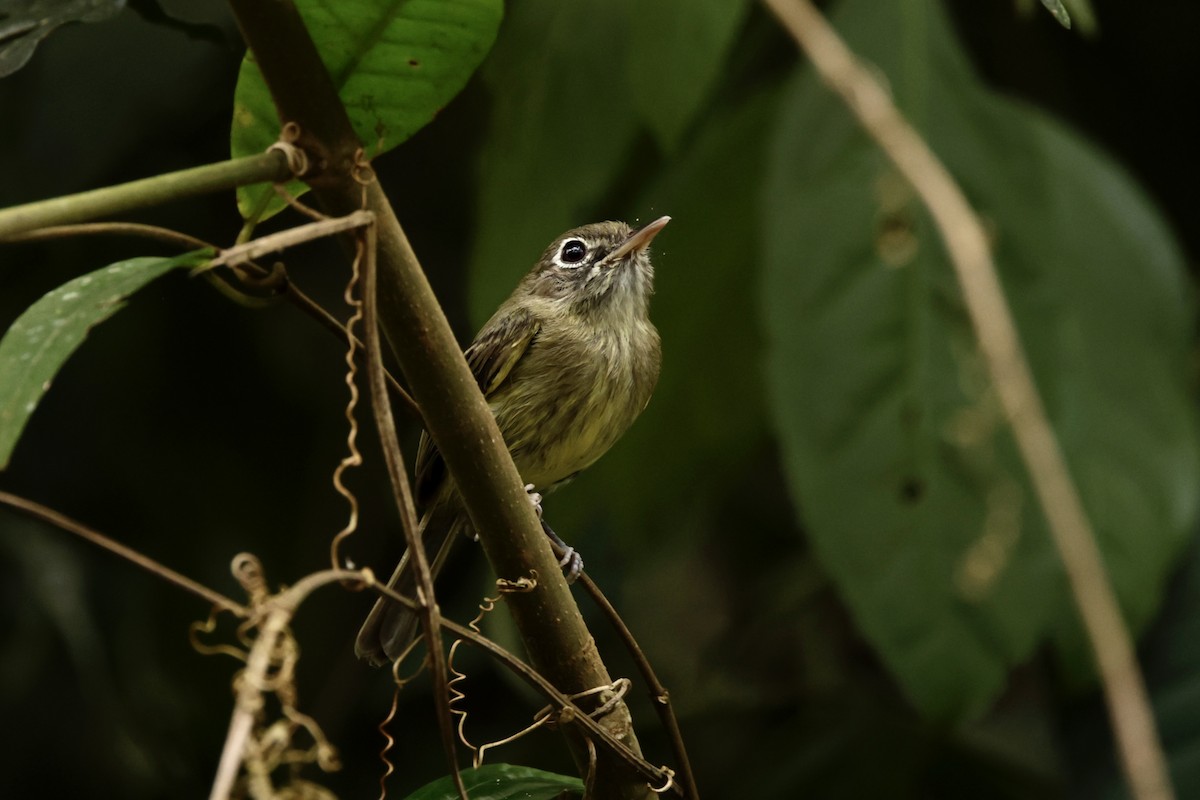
<point x="572" y="253"/>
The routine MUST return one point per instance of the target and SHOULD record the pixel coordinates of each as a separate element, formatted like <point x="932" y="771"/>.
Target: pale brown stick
<point x="966" y="242"/>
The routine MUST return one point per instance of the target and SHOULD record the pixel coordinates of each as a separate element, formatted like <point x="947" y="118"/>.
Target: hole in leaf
<point x="912" y="490"/>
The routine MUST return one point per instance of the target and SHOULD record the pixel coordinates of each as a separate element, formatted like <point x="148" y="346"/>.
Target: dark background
<point x="192" y="429"/>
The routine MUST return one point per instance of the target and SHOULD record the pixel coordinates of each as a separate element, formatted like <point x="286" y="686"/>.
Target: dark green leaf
<point x="1058" y="11"/>
<point x="898" y="457"/>
<point x="395" y="66"/>
<point x="1170" y="657"/>
<point x="676" y="51"/>
<point x="25" y="23"/>
<point x="44" y="337"/>
<point x="502" y="782"/>
<point x="562" y="122"/>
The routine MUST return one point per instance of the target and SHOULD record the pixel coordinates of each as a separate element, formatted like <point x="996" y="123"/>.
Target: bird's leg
<point x="571" y="562"/>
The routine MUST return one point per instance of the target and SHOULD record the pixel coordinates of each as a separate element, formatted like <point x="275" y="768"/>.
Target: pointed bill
<point x="640" y="239"/>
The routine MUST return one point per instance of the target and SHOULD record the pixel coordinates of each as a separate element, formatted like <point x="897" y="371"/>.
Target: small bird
<point x="566" y="364"/>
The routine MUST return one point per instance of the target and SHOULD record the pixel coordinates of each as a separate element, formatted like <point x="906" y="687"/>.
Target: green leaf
<point x="1058" y="11"/>
<point x="1170" y="657"/>
<point x="395" y="65"/>
<point x="502" y="782"/>
<point x="34" y="349"/>
<point x="904" y="470"/>
<point x="676" y="50"/>
<point x="24" y="24"/>
<point x="561" y="125"/>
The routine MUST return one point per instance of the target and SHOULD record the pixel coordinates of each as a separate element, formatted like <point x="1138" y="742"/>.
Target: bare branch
<point x="40" y="512"/>
<point x="456" y="415"/>
<point x="966" y="242"/>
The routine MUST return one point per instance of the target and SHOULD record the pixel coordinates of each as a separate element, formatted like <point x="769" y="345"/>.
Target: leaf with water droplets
<point x="1058" y="11"/>
<point x="34" y="349"/>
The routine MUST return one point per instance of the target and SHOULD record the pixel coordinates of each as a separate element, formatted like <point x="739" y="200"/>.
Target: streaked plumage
<point x="567" y="363"/>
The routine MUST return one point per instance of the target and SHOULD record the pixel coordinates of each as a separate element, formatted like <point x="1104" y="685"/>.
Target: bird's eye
<point x="573" y="251"/>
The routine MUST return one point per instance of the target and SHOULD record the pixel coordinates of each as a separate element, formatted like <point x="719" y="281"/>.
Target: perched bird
<point x="566" y="364"/>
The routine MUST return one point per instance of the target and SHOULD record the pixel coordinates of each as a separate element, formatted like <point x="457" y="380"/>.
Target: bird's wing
<point x="491" y="357"/>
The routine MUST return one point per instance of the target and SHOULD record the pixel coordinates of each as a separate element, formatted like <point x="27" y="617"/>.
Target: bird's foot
<point x="571" y="562"/>
<point x="535" y="498"/>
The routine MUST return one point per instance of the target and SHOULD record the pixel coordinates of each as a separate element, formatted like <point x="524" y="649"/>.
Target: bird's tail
<point x="391" y="627"/>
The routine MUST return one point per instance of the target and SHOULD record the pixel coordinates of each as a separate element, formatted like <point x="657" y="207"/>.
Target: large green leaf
<point x="34" y="349"/>
<point x="676" y="51"/>
<point x="395" y="64"/>
<point x="1170" y="659"/>
<point x="897" y="456"/>
<point x="502" y="782"/>
<point x="562" y="121"/>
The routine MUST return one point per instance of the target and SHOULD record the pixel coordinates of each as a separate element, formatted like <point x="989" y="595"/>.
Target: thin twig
<point x="274" y="243"/>
<point x="291" y="291"/>
<point x="456" y="415"/>
<point x="659" y="695"/>
<point x="966" y="242"/>
<point x="165" y="235"/>
<point x="431" y="615"/>
<point x="575" y="714"/>
<point x="40" y="512"/>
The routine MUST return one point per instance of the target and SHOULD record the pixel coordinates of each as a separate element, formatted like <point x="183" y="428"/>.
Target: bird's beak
<point x="639" y="240"/>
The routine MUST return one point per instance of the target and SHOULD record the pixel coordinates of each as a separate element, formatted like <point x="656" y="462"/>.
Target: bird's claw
<point x="572" y="565"/>
<point x="535" y="498"/>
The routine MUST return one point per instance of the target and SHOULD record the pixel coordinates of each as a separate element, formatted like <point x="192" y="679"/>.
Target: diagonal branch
<point x="966" y="242"/>
<point x="456" y="414"/>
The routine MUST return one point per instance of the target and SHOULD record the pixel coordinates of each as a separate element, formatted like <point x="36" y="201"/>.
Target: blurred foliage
<point x="819" y="385"/>
<point x="898" y="454"/>
<point x="502" y="782"/>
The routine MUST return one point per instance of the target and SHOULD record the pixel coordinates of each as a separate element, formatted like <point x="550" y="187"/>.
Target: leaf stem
<point x="114" y="200"/>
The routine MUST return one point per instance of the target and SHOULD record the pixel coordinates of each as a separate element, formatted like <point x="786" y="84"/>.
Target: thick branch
<point x="965" y="240"/>
<point x="455" y="413"/>
<point x="115" y="200"/>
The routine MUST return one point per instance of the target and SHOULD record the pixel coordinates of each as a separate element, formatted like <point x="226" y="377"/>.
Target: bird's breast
<point x="576" y="390"/>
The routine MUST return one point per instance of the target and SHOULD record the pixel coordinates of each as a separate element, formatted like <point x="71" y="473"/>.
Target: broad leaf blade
<point x="502" y="782"/>
<point x="904" y="470"/>
<point x="25" y="23"/>
<point x="676" y="51"/>
<point x="395" y="65"/>
<point x="34" y="349"/>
